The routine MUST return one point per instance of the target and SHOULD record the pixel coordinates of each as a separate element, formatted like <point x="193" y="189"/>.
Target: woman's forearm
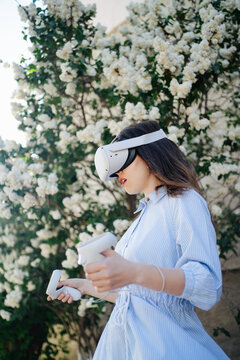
<point x="89" y="289"/>
<point x="150" y="277"/>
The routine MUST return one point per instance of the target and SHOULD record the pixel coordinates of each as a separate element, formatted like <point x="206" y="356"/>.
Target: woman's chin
<point x="131" y="191"/>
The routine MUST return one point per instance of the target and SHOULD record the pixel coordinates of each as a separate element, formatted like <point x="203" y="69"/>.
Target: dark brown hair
<point x="164" y="159"/>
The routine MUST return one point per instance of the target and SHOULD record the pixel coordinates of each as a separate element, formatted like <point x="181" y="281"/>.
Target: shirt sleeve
<point x="197" y="250"/>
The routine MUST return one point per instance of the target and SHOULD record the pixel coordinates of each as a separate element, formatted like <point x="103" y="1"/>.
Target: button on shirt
<point x="173" y="232"/>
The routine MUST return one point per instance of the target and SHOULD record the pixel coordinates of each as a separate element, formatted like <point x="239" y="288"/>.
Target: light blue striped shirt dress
<point x="173" y="232"/>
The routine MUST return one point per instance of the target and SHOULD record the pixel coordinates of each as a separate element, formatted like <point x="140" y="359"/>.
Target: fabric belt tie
<point x="120" y="315"/>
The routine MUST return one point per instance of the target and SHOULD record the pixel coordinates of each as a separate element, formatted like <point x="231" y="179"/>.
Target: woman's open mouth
<point x="122" y="181"/>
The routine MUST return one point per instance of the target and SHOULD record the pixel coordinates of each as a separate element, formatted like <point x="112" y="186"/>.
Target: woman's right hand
<point x="79" y="284"/>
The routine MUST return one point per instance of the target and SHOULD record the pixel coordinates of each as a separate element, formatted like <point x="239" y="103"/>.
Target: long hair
<point x="164" y="159"/>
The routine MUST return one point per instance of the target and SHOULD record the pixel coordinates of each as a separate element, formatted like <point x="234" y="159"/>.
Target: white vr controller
<point x="88" y="252"/>
<point x="66" y="290"/>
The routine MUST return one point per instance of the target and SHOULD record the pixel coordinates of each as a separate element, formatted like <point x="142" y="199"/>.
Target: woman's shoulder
<point x="189" y="199"/>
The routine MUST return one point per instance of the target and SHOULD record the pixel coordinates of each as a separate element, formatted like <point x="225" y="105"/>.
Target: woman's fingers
<point x="96" y="275"/>
<point x="65" y="298"/>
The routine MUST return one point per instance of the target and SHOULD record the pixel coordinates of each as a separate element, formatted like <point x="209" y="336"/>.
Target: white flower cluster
<point x="13" y="298"/>
<point x="71" y="89"/>
<point x="74" y="204"/>
<point x="120" y="225"/>
<point x="216" y="210"/>
<point x="234" y="132"/>
<point x="31" y="286"/>
<point x="50" y="89"/>
<point x="66" y="51"/>
<point x="124" y="75"/>
<point x="15" y="275"/>
<point x="217" y="169"/>
<point x="237" y="186"/>
<point x="45" y="234"/>
<point x="47" y="186"/>
<point x="84" y="236"/>
<point x="116" y="126"/>
<point x="56" y="215"/>
<point x="194" y="119"/>
<point x="175" y="132"/>
<point x="180" y="91"/>
<point x="71" y="261"/>
<point x="139" y="112"/>
<point x="46" y="251"/>
<point x="67" y="74"/>
<point x="36" y="169"/>
<point x="18" y="71"/>
<point x="8" y="239"/>
<point x="5" y="211"/>
<point x="212" y="28"/>
<point x="69" y="10"/>
<point x="5" y="315"/>
<point x="28" y="201"/>
<point x="9" y="145"/>
<point x="92" y="132"/>
<point x="97" y="229"/>
<point x="65" y="139"/>
<point x="47" y="122"/>
<point x="168" y="57"/>
<point x="84" y="305"/>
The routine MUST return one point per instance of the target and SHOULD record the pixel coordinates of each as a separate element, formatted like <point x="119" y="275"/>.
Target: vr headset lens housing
<point x="114" y="157"/>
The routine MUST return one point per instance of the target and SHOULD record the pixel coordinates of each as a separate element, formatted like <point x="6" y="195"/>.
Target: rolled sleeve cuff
<point x="189" y="284"/>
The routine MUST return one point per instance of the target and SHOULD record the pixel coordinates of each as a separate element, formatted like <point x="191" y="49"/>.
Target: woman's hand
<point x="111" y="273"/>
<point x="79" y="284"/>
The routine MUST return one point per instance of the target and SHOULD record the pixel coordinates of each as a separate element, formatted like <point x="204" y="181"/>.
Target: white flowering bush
<point x="172" y="62"/>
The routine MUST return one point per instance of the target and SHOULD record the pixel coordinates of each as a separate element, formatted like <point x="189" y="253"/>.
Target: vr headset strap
<point x="137" y="141"/>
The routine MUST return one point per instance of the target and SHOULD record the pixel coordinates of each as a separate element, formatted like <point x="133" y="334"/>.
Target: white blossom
<point x="216" y="210"/>
<point x="154" y="114"/>
<point x="68" y="74"/>
<point x="13" y="298"/>
<point x="121" y="225"/>
<point x="31" y="286"/>
<point x="116" y="126"/>
<point x="237" y="186"/>
<point x="11" y="145"/>
<point x="50" y="89"/>
<point x="71" y="89"/>
<point x="35" y="262"/>
<point x="66" y="51"/>
<point x="83" y="237"/>
<point x="45" y="234"/>
<point x="3" y="174"/>
<point x="23" y="260"/>
<point x="72" y="259"/>
<point x="180" y="90"/>
<point x="55" y="214"/>
<point x="47" y="250"/>
<point x="15" y="275"/>
<point x="6" y="315"/>
<point x="217" y="169"/>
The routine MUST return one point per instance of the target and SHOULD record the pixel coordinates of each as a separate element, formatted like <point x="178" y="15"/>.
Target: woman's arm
<point x="115" y="272"/>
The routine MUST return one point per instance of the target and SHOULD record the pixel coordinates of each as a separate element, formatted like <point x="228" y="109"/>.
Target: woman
<point x="164" y="265"/>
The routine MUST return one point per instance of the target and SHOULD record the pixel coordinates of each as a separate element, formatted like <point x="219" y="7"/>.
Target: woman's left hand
<point x="111" y="273"/>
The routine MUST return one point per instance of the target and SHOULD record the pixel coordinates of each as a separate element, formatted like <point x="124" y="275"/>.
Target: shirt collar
<point x="154" y="197"/>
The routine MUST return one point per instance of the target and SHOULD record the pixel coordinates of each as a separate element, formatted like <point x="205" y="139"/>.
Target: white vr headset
<point x="114" y="157"/>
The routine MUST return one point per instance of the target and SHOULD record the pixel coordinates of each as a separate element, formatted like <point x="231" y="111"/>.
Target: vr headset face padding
<point x="132" y="153"/>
